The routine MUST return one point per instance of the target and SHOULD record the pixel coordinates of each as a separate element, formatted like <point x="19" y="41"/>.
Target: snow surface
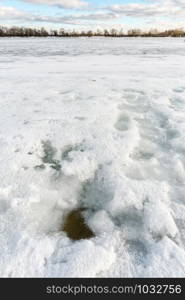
<point x="98" y="123"/>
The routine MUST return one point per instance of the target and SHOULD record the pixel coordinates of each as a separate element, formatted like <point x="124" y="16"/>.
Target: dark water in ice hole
<point x="75" y="226"/>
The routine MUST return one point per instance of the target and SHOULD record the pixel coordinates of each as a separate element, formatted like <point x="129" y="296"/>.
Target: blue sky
<point x="93" y="13"/>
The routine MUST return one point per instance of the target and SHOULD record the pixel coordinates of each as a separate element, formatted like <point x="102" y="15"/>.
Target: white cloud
<point x="75" y="19"/>
<point x="76" y="4"/>
<point x="167" y="8"/>
<point x="11" y="13"/>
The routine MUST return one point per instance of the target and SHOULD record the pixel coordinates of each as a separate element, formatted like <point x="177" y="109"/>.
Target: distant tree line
<point x="42" y="32"/>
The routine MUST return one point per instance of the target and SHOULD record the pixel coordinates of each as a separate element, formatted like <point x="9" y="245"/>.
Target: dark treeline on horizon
<point x="42" y="32"/>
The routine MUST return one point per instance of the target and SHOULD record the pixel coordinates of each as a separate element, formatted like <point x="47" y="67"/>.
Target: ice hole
<point x="76" y="227"/>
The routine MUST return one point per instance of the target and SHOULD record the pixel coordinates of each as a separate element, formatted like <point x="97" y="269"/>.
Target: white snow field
<point x="95" y="123"/>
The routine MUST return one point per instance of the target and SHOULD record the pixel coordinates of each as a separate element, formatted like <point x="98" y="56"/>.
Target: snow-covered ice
<point x="96" y="123"/>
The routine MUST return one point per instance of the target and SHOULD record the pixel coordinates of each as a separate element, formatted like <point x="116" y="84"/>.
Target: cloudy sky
<point x="93" y="13"/>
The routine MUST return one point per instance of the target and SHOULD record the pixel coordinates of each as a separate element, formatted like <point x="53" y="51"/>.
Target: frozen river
<point x="95" y="125"/>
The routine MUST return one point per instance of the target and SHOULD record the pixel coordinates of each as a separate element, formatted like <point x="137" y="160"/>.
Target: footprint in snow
<point x="179" y="90"/>
<point x="123" y="123"/>
<point x="4" y="206"/>
<point x="142" y="155"/>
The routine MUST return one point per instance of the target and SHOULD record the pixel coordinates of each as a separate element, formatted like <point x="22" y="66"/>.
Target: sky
<point x="92" y="14"/>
